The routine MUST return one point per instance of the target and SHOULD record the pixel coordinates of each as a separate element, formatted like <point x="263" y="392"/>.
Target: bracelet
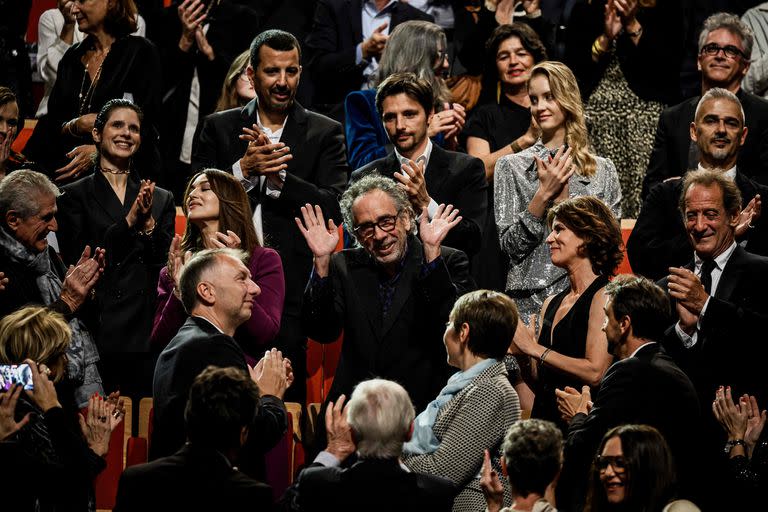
<point x="68" y="127"/>
<point x="729" y="445"/>
<point x="515" y="147"/>
<point x="544" y="355"/>
<point x="597" y="48"/>
<point x="636" y="33"/>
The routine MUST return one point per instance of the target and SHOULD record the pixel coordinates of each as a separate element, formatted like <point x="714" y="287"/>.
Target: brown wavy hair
<point x="565" y="90"/>
<point x="592" y="221"/>
<point x="234" y="212"/>
<point x="122" y="19"/>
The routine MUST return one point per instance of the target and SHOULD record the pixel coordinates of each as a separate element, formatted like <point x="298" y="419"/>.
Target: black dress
<point x="569" y="338"/>
<point x="131" y="70"/>
<point x="499" y="124"/>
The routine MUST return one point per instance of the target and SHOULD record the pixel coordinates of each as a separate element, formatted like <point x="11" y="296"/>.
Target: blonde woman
<point x="526" y="184"/>
<point x="237" y="90"/>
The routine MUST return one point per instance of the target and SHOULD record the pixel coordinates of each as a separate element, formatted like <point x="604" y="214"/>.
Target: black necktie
<point x="706" y="274"/>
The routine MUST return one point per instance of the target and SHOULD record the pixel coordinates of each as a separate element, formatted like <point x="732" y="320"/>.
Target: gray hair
<point x="370" y="183"/>
<point x="196" y="268"/>
<point x="380" y="414"/>
<point x="732" y="24"/>
<point x="533" y="455"/>
<point x="413" y="47"/>
<point x="718" y="93"/>
<point x="707" y="178"/>
<point x="20" y="191"/>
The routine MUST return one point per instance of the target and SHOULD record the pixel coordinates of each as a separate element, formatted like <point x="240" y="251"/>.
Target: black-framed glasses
<point x="729" y="50"/>
<point x="617" y="462"/>
<point x="368" y="229"/>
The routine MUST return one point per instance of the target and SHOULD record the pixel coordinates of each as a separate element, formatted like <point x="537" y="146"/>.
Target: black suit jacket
<point x="673" y="138"/>
<point x="198" y="345"/>
<point x="452" y="178"/>
<point x="193" y="478"/>
<point x="730" y="348"/>
<point x="91" y="214"/>
<point x="380" y="484"/>
<point x="648" y="389"/>
<point x="317" y="174"/>
<point x="332" y="43"/>
<point x="660" y="240"/>
<point x="406" y="346"/>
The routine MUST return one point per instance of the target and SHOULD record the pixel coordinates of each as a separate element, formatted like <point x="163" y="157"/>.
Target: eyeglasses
<point x="730" y="51"/>
<point x="368" y="229"/>
<point x="243" y="75"/>
<point x="617" y="462"/>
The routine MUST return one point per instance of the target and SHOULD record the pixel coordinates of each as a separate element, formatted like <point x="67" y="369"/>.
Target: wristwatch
<point x="730" y="444"/>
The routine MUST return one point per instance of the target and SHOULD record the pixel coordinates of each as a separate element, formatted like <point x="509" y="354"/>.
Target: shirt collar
<point x="641" y="347"/>
<point x="263" y="128"/>
<point x="370" y="5"/>
<point x="730" y="173"/>
<point x="424" y="157"/>
<point x="214" y="325"/>
<point x="720" y="261"/>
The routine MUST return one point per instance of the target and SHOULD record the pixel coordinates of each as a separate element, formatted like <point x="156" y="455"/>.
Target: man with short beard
<point x="659" y="239"/>
<point x="285" y="156"/>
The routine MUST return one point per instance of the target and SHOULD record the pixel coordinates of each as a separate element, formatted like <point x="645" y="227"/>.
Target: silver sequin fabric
<point x="522" y="235"/>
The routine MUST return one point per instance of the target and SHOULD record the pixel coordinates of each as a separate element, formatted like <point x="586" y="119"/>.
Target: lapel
<point x="404" y="290"/>
<point x="746" y="186"/>
<point x="685" y="134"/>
<point x="731" y="275"/>
<point x="248" y="119"/>
<point x="355" y="11"/>
<point x="397" y="16"/>
<point x="105" y="197"/>
<point x="437" y="171"/>
<point x="294" y="132"/>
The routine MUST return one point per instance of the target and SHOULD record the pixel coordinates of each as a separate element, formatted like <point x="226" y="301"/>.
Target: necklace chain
<point x="114" y="171"/>
<point x="92" y="88"/>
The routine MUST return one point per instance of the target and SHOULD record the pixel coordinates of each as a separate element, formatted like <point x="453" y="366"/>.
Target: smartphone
<point x="12" y="374"/>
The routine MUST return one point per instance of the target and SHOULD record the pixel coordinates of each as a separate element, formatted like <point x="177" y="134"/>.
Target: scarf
<point x="423" y="439"/>
<point x="82" y="352"/>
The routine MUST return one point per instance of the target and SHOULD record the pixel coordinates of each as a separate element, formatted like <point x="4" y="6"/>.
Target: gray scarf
<point x="82" y="352"/>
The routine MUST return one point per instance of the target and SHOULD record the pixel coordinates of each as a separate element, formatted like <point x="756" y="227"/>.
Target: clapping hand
<point x="433" y="232"/>
<point x="491" y="485"/>
<point x="411" y="181"/>
<point x="176" y="261"/>
<point x="99" y="421"/>
<point x="570" y="402"/>
<point x="140" y="213"/>
<point x="340" y="442"/>
<point x="262" y="157"/>
<point x="686" y="288"/>
<point x="272" y="374"/>
<point x="322" y="240"/>
<point x="81" y="278"/>
<point x="554" y="173"/>
<point x="740" y="421"/>
<point x="749" y="215"/>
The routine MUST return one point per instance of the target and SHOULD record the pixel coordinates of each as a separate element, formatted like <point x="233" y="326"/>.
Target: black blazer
<point x="91" y="214"/>
<point x="648" y="389"/>
<point x="232" y="28"/>
<point x="660" y="240"/>
<point x="193" y="478"/>
<point x="381" y="484"/>
<point x="198" y="345"/>
<point x="452" y="178"/>
<point x="332" y="43"/>
<point x="673" y="138"/>
<point x="406" y="346"/>
<point x="317" y="174"/>
<point x="730" y="349"/>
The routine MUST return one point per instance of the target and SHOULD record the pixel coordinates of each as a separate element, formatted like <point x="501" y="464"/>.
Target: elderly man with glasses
<point x="725" y="46"/>
<point x="391" y="297"/>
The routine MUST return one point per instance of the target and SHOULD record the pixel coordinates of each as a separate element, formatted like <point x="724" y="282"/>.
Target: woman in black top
<point x="109" y="63"/>
<point x="572" y="349"/>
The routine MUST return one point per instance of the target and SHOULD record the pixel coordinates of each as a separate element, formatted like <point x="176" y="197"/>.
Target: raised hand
<point x="191" y="14"/>
<point x="627" y="10"/>
<point x="100" y="420"/>
<point x="140" y="213"/>
<point x="749" y="215"/>
<point x="613" y="23"/>
<point x="411" y="180"/>
<point x="220" y="240"/>
<point x="3" y="281"/>
<point x="755" y="421"/>
<point x="731" y="417"/>
<point x="203" y="45"/>
<point x="262" y="157"/>
<point x="65" y="8"/>
<point x="43" y="392"/>
<point x="271" y="374"/>
<point x="322" y="240"/>
<point x="491" y="485"/>
<point x="554" y="173"/>
<point x="433" y="232"/>
<point x="685" y="287"/>
<point x="340" y="442"/>
<point x="374" y="45"/>
<point x="80" y="161"/>
<point x="81" y="278"/>
<point x="8" y="424"/>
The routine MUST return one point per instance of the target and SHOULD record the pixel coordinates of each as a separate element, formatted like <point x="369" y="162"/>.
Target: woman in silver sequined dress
<point x="560" y="165"/>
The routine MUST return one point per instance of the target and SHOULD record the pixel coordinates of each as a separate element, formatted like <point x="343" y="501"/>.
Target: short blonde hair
<point x="33" y="332"/>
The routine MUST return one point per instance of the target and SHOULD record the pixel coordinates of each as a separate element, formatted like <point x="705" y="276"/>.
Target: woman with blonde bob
<point x="64" y="457"/>
<point x="237" y="90"/>
<point x="526" y="184"/>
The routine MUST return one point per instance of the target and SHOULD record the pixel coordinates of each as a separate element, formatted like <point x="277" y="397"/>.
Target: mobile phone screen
<point x="12" y="374"/>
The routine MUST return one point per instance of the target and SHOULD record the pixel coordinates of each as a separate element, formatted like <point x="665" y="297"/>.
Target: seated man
<point x="644" y="386"/>
<point x="374" y="425"/>
<point x="533" y="455"/>
<point x="428" y="173"/>
<point x="217" y="293"/>
<point x="201" y="475"/>
<point x="659" y="239"/>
